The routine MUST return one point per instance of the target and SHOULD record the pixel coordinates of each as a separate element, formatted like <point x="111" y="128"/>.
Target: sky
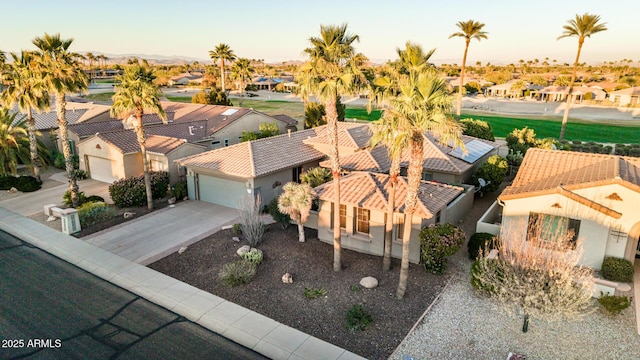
<point x="278" y="30"/>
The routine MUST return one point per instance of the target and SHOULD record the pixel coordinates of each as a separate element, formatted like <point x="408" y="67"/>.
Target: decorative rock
<point x="185" y="198"/>
<point x="51" y="218"/>
<point x="236" y="239"/>
<point x="369" y="282"/>
<point x="287" y="278"/>
<point x="12" y="190"/>
<point x="128" y="215"/>
<point x="227" y="227"/>
<point x="182" y="249"/>
<point x="172" y="205"/>
<point x="171" y="200"/>
<point x="243" y="250"/>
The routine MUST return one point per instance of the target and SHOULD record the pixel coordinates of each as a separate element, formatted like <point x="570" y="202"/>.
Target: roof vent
<point x="191" y="130"/>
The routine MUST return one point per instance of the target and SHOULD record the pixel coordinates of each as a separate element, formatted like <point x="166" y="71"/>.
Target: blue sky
<point x="277" y="30"/>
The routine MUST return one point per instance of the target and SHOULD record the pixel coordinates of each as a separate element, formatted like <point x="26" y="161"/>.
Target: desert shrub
<point x="7" y="182"/>
<point x="27" y="184"/>
<point x="131" y="191"/>
<point x="481" y="241"/>
<point x="254" y="256"/>
<point x="358" y="318"/>
<point x="81" y="174"/>
<point x="272" y="209"/>
<point x="94" y="212"/>
<point x="494" y="265"/>
<point x="616" y="269"/>
<point x="237" y="273"/>
<point x="477" y="128"/>
<point x="437" y="242"/>
<point x="236" y="229"/>
<point x="515" y="158"/>
<point x="179" y="190"/>
<point x="613" y="304"/>
<point x="494" y="170"/>
<point x="314" y="293"/>
<point x="251" y="222"/>
<point x="66" y="198"/>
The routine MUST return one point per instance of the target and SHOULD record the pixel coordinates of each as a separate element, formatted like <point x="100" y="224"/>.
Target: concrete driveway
<point x="156" y="235"/>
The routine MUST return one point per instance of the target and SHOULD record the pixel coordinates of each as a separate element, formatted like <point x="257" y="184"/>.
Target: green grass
<point x="360" y="113"/>
<point x="184" y="99"/>
<point x="576" y="130"/>
<point x="104" y="81"/>
<point x="100" y="97"/>
<point x="274" y="107"/>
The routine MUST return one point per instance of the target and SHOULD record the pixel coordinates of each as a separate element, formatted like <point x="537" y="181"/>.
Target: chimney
<point x="289" y="132"/>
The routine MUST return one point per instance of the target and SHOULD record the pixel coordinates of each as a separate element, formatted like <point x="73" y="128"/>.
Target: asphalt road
<point x="50" y="309"/>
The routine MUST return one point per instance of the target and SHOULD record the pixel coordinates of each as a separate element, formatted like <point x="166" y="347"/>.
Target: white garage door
<point x="221" y="191"/>
<point x="102" y="169"/>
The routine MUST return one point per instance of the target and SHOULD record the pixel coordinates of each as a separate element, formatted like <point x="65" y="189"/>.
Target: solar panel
<point x="475" y="150"/>
<point x="229" y="112"/>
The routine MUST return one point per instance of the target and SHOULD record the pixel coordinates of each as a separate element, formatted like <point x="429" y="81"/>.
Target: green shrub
<point x="477" y="128"/>
<point x="272" y="209"/>
<point x="481" y="241"/>
<point x="66" y="198"/>
<point x="81" y="175"/>
<point x="7" y="182"/>
<point x="616" y="269"/>
<point x="494" y="170"/>
<point x="437" y="242"/>
<point x="314" y="293"/>
<point x="131" y="191"/>
<point x="358" y="318"/>
<point x="58" y="161"/>
<point x="93" y="212"/>
<point x="159" y="184"/>
<point x="179" y="190"/>
<point x="237" y="273"/>
<point x="94" y="198"/>
<point x="27" y="184"/>
<point x="492" y="265"/>
<point x="254" y="256"/>
<point x="236" y="229"/>
<point x="613" y="304"/>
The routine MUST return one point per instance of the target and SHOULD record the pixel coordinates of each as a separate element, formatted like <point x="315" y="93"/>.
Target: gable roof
<point x="371" y="191"/>
<point x="633" y="91"/>
<point x="88" y="128"/>
<point x="350" y="135"/>
<point x="49" y="120"/>
<point x="286" y="119"/>
<point x="550" y="171"/>
<point x="126" y="142"/>
<point x="258" y="157"/>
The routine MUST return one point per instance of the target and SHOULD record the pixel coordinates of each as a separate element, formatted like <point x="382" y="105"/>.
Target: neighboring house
<point x="363" y="206"/>
<point x="254" y="168"/>
<point x="559" y="93"/>
<point x="115" y="155"/>
<point x="185" y="79"/>
<point x="352" y="137"/>
<point x="500" y="90"/>
<point x="595" y="195"/>
<point x="626" y="97"/>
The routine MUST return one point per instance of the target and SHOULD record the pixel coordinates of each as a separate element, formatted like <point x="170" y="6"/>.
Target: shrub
<point x="494" y="170"/>
<point x="481" y="241"/>
<point x="521" y="139"/>
<point x="477" y="128"/>
<point x="159" y="184"/>
<point x="494" y="265"/>
<point x="131" y="191"/>
<point x="93" y="212"/>
<point x="58" y="161"/>
<point x="94" y="198"/>
<point x="254" y="256"/>
<point x="358" y="318"/>
<point x="251" y="222"/>
<point x="515" y="158"/>
<point x="236" y="229"/>
<point x="66" y="198"/>
<point x="613" y="304"/>
<point x="272" y="209"/>
<point x="81" y="175"/>
<point x="314" y="293"/>
<point x="27" y="184"/>
<point x="237" y="273"/>
<point x="179" y="190"/>
<point x="616" y="269"/>
<point x="7" y="182"/>
<point x="436" y="243"/>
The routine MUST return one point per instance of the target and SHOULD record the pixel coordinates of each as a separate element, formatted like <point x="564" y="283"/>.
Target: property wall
<point x="184" y="150"/>
<point x="446" y="178"/>
<point x="459" y="208"/>
<point x="250" y="122"/>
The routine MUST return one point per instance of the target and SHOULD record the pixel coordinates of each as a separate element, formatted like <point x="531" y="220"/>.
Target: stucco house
<point x="559" y="93"/>
<point x="363" y="203"/>
<point x="595" y="195"/>
<point x="626" y="97"/>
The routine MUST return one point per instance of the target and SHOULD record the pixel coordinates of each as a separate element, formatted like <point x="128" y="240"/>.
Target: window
<point x="297" y="171"/>
<point x="400" y="227"/>
<point x="438" y="217"/>
<point x="427" y="176"/>
<point x="551" y="229"/>
<point x="226" y="142"/>
<point x="362" y="220"/>
<point x="217" y="142"/>
<point x="343" y="216"/>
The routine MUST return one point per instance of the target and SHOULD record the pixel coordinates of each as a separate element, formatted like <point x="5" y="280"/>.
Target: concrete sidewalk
<point x="156" y="235"/>
<point x="248" y="328"/>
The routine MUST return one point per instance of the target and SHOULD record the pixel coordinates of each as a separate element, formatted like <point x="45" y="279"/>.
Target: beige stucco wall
<point x="266" y="183"/>
<point x="594" y="234"/>
<point x="250" y="122"/>
<point x="184" y="150"/>
<point x="459" y="208"/>
<point x="97" y="147"/>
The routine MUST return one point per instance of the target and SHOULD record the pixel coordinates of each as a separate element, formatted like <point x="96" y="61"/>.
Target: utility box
<point x="70" y="221"/>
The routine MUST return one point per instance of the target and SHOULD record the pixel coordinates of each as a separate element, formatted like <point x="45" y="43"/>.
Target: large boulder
<point x="287" y="278"/>
<point x="369" y="282"/>
<point x="243" y="250"/>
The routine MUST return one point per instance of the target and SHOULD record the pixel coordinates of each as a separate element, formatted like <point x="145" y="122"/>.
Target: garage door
<point x="102" y="169"/>
<point x="221" y="191"/>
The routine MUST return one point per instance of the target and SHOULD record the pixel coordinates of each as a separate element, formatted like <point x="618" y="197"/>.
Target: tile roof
<point x="545" y="171"/>
<point x="126" y="142"/>
<point x="628" y="91"/>
<point x="370" y="191"/>
<point x="49" y="120"/>
<point x="350" y="135"/>
<point x="259" y="157"/>
<point x="88" y="128"/>
<point x="286" y="119"/>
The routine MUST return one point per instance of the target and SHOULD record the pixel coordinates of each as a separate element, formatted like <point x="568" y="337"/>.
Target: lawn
<point x="100" y="97"/>
<point x="273" y="107"/>
<point x="184" y="99"/>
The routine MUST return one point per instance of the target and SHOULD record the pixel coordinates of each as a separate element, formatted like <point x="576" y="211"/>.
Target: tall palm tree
<point x="328" y="73"/>
<point x="583" y="26"/>
<point x="422" y="104"/>
<point x="222" y="52"/>
<point x="26" y="89"/>
<point x="13" y="143"/>
<point x="469" y="29"/>
<point x="62" y="74"/>
<point x="242" y="70"/>
<point x="136" y="94"/>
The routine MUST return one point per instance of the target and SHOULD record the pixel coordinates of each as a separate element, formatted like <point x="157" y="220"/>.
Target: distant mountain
<point x="152" y="59"/>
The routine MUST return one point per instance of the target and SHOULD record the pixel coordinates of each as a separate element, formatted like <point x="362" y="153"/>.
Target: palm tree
<point x="422" y="104"/>
<point x="13" y="143"/>
<point x="27" y="90"/>
<point x="61" y="74"/>
<point x="295" y="201"/>
<point x="136" y="94"/>
<point x="242" y="70"/>
<point x="469" y="29"/>
<point x="329" y="73"/>
<point x="583" y="26"/>
<point x="222" y="52"/>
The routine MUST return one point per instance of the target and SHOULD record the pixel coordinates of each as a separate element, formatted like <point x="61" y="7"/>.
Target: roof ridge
<point x="252" y="162"/>
<point x="385" y="199"/>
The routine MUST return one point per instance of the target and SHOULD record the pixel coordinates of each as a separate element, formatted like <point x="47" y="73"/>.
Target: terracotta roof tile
<point x="286" y="119"/>
<point x="370" y="191"/>
<point x="350" y="135"/>
<point x="49" y="120"/>
<point x="126" y="142"/>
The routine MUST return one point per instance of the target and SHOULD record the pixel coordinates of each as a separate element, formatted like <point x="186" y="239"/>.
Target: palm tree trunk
<point x="241" y="90"/>
<point x="222" y="73"/>
<point x="142" y="140"/>
<point x="300" y="232"/>
<point x="414" y="175"/>
<point x="33" y="145"/>
<point x="565" y="117"/>
<point x="464" y="61"/>
<point x="63" y="134"/>
<point x="388" y="236"/>
<point x="332" y="131"/>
